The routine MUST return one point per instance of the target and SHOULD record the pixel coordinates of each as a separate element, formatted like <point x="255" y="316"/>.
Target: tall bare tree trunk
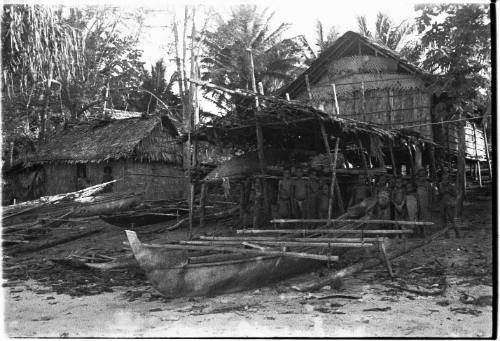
<point x="460" y="167"/>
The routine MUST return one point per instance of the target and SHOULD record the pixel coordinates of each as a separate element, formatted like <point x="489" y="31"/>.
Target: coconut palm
<point x="391" y="35"/>
<point x="276" y="60"/>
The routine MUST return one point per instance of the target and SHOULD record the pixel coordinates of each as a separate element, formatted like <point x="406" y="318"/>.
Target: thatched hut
<point x="374" y="84"/>
<point x="142" y="151"/>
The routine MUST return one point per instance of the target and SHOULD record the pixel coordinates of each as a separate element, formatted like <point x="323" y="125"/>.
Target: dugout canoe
<point x="174" y="274"/>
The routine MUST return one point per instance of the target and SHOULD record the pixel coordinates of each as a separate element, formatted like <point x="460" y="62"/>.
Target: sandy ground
<point x="32" y="310"/>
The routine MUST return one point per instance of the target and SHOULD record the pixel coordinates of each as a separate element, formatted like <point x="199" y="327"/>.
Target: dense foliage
<point x="457" y="48"/>
<point x="276" y="60"/>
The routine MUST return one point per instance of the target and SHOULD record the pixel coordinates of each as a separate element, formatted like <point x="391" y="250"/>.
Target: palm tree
<point x="323" y="42"/>
<point x="276" y="60"/>
<point x="391" y="35"/>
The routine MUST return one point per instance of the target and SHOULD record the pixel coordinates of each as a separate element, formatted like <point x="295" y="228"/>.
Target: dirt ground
<point x="52" y="301"/>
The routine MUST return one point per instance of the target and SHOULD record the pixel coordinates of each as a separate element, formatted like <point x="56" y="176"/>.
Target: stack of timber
<point x="29" y="223"/>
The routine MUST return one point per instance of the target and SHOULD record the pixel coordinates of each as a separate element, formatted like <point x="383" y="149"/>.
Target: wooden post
<point x="333" y="166"/>
<point x="460" y="167"/>
<point x="490" y="171"/>
<point x="391" y="108"/>
<point x="203" y="198"/>
<point x="363" y="102"/>
<point x="433" y="162"/>
<point x="191" y="204"/>
<point x="393" y="160"/>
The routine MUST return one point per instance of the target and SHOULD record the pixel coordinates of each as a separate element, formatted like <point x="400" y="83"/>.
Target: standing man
<point x="312" y="200"/>
<point x="300" y="194"/>
<point x="448" y="201"/>
<point x="424" y="193"/>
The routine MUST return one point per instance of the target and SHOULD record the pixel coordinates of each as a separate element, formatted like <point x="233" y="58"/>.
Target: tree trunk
<point x="460" y="167"/>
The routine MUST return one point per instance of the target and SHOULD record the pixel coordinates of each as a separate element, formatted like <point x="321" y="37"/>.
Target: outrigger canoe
<point x="174" y="274"/>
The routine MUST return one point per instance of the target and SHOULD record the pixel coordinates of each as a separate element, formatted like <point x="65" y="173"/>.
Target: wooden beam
<point x="291" y="239"/>
<point x="310" y="243"/>
<point x="242" y="251"/>
<point x="329" y="231"/>
<point x="371" y="221"/>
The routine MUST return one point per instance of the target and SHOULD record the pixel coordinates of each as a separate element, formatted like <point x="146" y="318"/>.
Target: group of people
<point x="396" y="198"/>
<point x="301" y="197"/>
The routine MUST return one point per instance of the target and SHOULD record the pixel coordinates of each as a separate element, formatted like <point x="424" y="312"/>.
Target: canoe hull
<point x="170" y="272"/>
<point x="228" y="276"/>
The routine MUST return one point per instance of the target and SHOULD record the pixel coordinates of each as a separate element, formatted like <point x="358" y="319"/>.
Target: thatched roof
<point x="284" y="122"/>
<point x="144" y="138"/>
<point x="349" y="44"/>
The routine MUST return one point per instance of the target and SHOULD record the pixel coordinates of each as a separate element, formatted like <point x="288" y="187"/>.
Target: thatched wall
<point x="155" y="179"/>
<point x="158" y="180"/>
<point x="475" y="146"/>
<point x="369" y="89"/>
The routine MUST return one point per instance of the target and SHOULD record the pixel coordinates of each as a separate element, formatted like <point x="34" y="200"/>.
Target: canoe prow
<point x="134" y="242"/>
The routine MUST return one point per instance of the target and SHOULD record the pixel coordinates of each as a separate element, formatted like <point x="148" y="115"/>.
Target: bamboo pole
<point x="290" y="239"/>
<point x="329" y="231"/>
<point x="335" y="101"/>
<point x="280" y="243"/>
<point x="203" y="198"/>
<point x="243" y="251"/>
<point x="371" y="221"/>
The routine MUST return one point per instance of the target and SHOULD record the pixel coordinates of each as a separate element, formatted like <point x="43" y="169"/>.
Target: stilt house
<point x="374" y="84"/>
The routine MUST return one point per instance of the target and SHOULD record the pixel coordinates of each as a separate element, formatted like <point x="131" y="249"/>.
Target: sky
<point x="302" y="15"/>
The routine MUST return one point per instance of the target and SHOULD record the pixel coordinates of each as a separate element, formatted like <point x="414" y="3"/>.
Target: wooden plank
<point x="287" y="239"/>
<point x="335" y="100"/>
<point x="278" y="243"/>
<point x="371" y="221"/>
<point x="328" y="231"/>
<point x="244" y="251"/>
